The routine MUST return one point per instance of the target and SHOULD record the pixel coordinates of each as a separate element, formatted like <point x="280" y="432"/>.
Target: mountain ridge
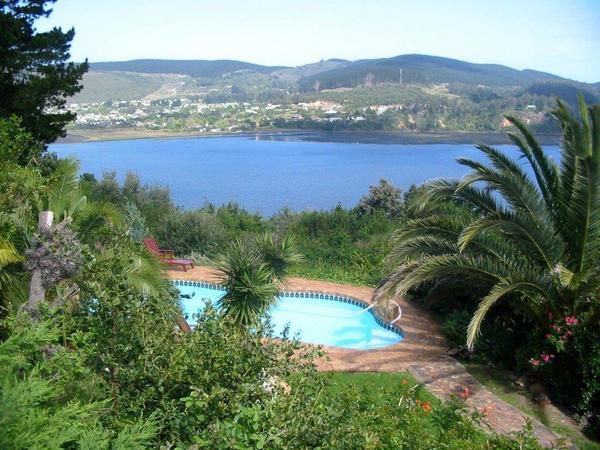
<point x="343" y="73"/>
<point x="192" y="67"/>
<point x="417" y="68"/>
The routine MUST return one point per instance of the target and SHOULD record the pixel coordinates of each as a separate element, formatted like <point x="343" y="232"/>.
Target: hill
<point x="567" y="92"/>
<point x="422" y="69"/>
<point x="293" y="74"/>
<point x="99" y="87"/>
<point x="193" y="68"/>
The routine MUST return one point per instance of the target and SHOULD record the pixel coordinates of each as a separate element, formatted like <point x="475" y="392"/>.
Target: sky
<point x="560" y="37"/>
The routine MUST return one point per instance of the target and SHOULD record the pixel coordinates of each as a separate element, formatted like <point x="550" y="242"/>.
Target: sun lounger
<point x="167" y="256"/>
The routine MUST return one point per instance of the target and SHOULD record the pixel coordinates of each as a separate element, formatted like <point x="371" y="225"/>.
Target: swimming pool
<point x="315" y="318"/>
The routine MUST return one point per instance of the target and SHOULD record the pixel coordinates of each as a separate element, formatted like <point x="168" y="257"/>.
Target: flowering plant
<point x="561" y="330"/>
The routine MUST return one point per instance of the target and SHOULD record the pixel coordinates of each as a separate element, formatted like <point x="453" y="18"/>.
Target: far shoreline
<point x="359" y="137"/>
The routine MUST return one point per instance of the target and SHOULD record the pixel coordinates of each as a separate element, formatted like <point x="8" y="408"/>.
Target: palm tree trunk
<point x="37" y="291"/>
<point x="183" y="324"/>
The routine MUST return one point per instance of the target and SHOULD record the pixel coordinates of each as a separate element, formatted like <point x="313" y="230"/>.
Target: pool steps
<point x="391" y="326"/>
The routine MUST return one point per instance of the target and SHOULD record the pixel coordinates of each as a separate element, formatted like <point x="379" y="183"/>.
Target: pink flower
<point x="534" y="362"/>
<point x="556" y="328"/>
<point x="550" y="316"/>
<point x="546" y="358"/>
<point x="571" y="320"/>
<point x="569" y="334"/>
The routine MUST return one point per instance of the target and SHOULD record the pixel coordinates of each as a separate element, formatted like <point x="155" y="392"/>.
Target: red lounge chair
<point x="167" y="256"/>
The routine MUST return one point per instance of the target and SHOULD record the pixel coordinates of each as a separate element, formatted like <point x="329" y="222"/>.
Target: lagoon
<point x="265" y="175"/>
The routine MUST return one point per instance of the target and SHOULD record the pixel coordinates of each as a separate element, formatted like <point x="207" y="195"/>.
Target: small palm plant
<point x="531" y="240"/>
<point x="252" y="272"/>
<point x="249" y="284"/>
<point x="278" y="252"/>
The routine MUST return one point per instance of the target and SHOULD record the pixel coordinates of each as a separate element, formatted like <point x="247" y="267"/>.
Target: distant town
<point x="415" y="93"/>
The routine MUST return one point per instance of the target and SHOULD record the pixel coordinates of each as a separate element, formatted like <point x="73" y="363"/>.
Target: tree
<point x="383" y="197"/>
<point x="532" y="241"/>
<point x="249" y="283"/>
<point x="251" y="272"/>
<point x="278" y="252"/>
<point x="16" y="145"/>
<point x="35" y="77"/>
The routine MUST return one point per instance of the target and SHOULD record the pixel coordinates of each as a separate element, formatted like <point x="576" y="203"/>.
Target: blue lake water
<point x="266" y="175"/>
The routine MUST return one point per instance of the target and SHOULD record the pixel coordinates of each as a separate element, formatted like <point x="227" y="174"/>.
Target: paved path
<point x="421" y="353"/>
<point x="445" y="377"/>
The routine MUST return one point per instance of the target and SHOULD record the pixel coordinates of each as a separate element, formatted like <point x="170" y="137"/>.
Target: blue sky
<point x="562" y="37"/>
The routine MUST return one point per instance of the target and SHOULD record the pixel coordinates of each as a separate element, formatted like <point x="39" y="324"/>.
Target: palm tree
<point x="61" y="194"/>
<point x="531" y="240"/>
<point x="249" y="284"/>
<point x="278" y="252"/>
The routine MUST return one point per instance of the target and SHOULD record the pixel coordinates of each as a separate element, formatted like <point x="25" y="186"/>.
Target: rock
<point x="537" y="388"/>
<point x="455" y="352"/>
<point x="522" y="382"/>
<point x="541" y="399"/>
<point x="469" y="355"/>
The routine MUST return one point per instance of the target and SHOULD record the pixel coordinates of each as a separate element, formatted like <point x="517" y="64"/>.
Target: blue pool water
<point x="314" y="321"/>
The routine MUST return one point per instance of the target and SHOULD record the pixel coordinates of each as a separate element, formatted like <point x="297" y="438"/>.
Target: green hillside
<point x="422" y="69"/>
<point x="293" y="74"/>
<point x="117" y="86"/>
<point x="193" y="68"/>
<point x="567" y="92"/>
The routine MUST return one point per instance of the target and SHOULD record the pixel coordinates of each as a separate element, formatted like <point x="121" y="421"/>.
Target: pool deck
<point x="421" y="353"/>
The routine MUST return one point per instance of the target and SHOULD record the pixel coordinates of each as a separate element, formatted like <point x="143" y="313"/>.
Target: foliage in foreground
<point x="215" y="388"/>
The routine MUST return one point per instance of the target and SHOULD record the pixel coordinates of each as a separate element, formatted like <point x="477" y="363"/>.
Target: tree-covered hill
<point x="406" y="92"/>
<point x="307" y="70"/>
<point x="566" y="91"/>
<point x="423" y="69"/>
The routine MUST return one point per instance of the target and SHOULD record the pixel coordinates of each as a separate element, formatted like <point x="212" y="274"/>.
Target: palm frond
<point x="278" y="252"/>
<point x="144" y="274"/>
<point x="8" y="254"/>
<point x="416" y="272"/>
<point x="545" y="169"/>
<point x="63" y="189"/>
<point x="518" y="192"/>
<point x="93" y="217"/>
<point x="499" y="290"/>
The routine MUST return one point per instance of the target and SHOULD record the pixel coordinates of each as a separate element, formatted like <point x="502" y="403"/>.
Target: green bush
<point x="50" y="399"/>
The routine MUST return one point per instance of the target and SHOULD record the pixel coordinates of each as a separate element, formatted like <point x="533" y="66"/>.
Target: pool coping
<point x="382" y="322"/>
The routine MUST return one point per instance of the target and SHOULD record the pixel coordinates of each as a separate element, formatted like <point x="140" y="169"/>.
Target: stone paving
<point x="421" y="353"/>
<point x="445" y="377"/>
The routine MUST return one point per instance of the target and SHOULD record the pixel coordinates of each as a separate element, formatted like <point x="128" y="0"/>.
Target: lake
<point x="266" y="175"/>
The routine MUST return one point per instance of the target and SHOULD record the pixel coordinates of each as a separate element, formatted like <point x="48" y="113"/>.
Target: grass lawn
<point x="501" y="383"/>
<point x="379" y="386"/>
